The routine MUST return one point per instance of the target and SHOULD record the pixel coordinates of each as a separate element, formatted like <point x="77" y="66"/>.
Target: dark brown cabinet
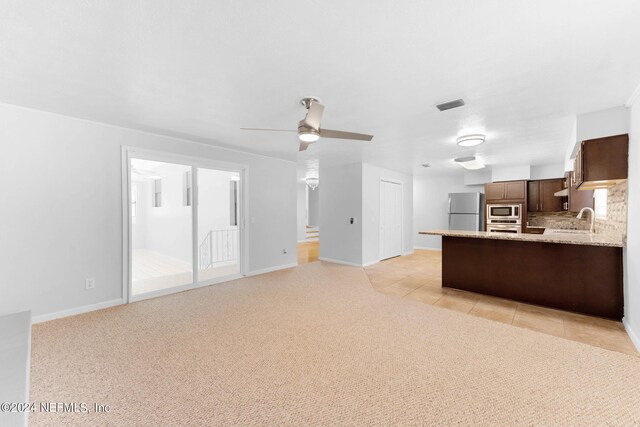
<point x="505" y="191"/>
<point x="533" y="196"/>
<point x="541" y="195"/>
<point x="601" y="162"/>
<point x="578" y="199"/>
<point x="494" y="191"/>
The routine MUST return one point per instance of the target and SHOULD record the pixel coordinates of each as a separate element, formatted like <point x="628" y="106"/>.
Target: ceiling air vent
<point x="451" y="104"/>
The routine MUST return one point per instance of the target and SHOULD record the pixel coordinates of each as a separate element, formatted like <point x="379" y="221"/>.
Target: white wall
<point x="167" y="227"/>
<point x="597" y="124"/>
<point x="511" y="173"/>
<point x="547" y="171"/>
<point x="302" y="211"/>
<point x="313" y="206"/>
<point x="477" y="177"/>
<point x="632" y="251"/>
<point x="371" y="176"/>
<point x="341" y="199"/>
<point x="354" y="191"/>
<point x="430" y="205"/>
<point x="62" y="212"/>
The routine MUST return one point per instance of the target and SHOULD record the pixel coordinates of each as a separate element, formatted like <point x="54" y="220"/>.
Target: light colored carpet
<point x="316" y="345"/>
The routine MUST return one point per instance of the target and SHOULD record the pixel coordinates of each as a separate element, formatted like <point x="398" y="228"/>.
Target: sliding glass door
<point x="161" y="245"/>
<point x="218" y="220"/>
<point x="184" y="226"/>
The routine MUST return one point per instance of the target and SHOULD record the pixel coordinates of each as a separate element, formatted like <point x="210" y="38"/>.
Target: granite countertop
<point x="595" y="239"/>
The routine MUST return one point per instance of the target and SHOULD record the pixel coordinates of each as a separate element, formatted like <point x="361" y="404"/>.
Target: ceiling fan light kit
<point x="309" y="130"/>
<point x="308" y="135"/>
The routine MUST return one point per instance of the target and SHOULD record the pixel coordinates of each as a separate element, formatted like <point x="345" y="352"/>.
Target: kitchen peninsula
<point x="575" y="272"/>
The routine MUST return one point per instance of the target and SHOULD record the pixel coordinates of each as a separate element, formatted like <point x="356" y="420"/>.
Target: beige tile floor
<point x="418" y="277"/>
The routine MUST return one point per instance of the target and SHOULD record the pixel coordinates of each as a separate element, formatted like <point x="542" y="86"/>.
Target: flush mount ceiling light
<point x="470" y="162"/>
<point x="470" y="140"/>
<point x="312" y="182"/>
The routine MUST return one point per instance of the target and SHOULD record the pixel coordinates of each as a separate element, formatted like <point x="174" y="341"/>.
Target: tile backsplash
<point x="560" y="220"/>
<point x="616" y="221"/>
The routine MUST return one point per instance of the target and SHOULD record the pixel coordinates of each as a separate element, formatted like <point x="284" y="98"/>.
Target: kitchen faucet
<point x="592" y="216"/>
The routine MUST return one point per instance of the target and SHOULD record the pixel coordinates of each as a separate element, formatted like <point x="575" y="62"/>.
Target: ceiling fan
<point x="309" y="130"/>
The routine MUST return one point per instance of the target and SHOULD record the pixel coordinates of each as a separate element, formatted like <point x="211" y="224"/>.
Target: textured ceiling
<point x="202" y="70"/>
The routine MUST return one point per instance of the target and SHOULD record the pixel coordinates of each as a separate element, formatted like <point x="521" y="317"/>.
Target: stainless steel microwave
<point x="511" y="212"/>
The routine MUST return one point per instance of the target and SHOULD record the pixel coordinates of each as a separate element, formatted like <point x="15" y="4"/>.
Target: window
<point x="233" y="199"/>
<point x="187" y="189"/>
<point x="134" y="200"/>
<point x="157" y="193"/>
<point x="600" y="203"/>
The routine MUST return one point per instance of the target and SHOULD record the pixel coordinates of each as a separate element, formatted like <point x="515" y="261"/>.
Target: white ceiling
<point x="201" y="70"/>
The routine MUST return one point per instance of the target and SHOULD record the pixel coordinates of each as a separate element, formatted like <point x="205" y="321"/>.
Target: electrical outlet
<point x="90" y="283"/>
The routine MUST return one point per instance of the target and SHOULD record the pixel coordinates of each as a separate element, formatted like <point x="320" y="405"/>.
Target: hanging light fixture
<point x="312" y="182"/>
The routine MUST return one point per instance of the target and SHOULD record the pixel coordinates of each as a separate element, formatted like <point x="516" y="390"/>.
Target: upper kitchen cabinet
<point x="601" y="162"/>
<point x="505" y="191"/>
<point x="578" y="199"/>
<point x="541" y="195"/>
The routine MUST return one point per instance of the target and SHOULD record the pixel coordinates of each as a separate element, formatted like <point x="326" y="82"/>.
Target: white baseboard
<point x="270" y="269"/>
<point x="367" y="264"/>
<point x="337" y="261"/>
<point x="408" y="253"/>
<point x="427" y="248"/>
<point x="76" y="310"/>
<point x="632" y="334"/>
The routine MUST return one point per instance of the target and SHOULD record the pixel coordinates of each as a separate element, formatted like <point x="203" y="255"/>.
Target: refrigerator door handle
<point x="449" y="209"/>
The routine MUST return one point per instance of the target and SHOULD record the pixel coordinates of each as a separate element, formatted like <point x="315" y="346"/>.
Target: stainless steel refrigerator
<point x="466" y="211"/>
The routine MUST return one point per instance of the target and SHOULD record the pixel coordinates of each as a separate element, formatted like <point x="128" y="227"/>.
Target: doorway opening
<point x="308" y="220"/>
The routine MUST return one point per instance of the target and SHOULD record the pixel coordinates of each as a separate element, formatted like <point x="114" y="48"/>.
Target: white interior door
<point x="390" y="219"/>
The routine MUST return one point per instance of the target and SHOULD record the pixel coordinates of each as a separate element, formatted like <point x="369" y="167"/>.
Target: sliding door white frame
<point x="129" y="153"/>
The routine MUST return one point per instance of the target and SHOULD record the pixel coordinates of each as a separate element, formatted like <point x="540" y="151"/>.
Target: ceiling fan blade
<point x="314" y="115"/>
<point x="270" y="130"/>
<point x="329" y="133"/>
<point x="304" y="146"/>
